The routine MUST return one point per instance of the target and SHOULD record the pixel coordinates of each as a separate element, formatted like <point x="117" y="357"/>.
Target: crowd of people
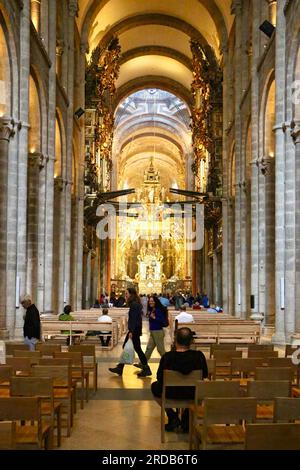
<point x="178" y="299"/>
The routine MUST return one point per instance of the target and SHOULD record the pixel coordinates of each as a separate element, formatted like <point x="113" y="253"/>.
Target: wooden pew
<point x="53" y="328"/>
<point x="212" y="331"/>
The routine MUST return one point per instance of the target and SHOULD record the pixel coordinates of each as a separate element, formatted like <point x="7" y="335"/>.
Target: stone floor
<point x="122" y="414"/>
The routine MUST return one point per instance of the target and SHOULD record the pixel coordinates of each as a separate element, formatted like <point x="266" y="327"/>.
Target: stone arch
<point x="210" y="5"/>
<point x="232" y="169"/>
<point x="296" y="101"/>
<point x="9" y="64"/>
<point x="248" y="150"/>
<point x="35" y="118"/>
<point x="153" y="81"/>
<point x="293" y="74"/>
<point x="60" y="146"/>
<point x="74" y="169"/>
<point x="269" y="118"/>
<point x="156" y="50"/>
<point x="5" y="75"/>
<point x="43" y="108"/>
<point x="156" y="19"/>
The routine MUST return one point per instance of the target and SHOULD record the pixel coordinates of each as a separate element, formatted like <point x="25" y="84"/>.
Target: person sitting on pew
<point x="184" y="360"/>
<point x="184" y="316"/>
<point x="104" y="336"/>
<point x="66" y="316"/>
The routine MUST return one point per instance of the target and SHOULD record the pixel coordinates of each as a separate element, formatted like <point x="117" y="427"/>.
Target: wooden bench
<point x="212" y="331"/>
<point x="239" y="333"/>
<point x="53" y="328"/>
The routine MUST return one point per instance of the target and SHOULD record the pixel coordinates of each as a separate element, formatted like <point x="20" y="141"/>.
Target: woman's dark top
<point x="160" y="320"/>
<point x="32" y="323"/>
<point x="135" y="318"/>
<point x="183" y="362"/>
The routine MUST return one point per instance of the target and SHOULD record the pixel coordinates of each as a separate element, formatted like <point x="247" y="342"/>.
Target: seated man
<point x="105" y="336"/>
<point x="184" y="316"/>
<point x="66" y="316"/>
<point x="184" y="360"/>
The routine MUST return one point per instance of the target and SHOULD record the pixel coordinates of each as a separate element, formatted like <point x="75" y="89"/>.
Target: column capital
<point x="236" y="7"/>
<point x="7" y="128"/>
<point x="60" y="47"/>
<point x="59" y="183"/>
<point x="295" y="132"/>
<point x="73" y="7"/>
<point x="264" y="164"/>
<point x="84" y="48"/>
<point x="37" y="159"/>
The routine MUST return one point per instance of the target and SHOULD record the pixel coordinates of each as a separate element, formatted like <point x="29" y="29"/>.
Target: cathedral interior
<point x="128" y="125"/>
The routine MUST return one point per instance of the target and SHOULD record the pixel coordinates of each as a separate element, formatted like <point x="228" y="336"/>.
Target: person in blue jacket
<point x="158" y="320"/>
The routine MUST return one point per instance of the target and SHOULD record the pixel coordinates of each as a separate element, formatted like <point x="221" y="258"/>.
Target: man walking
<point x="32" y="323"/>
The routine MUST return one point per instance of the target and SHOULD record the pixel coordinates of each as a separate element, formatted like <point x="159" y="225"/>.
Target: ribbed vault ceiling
<point x="155" y="36"/>
<point x="155" y="39"/>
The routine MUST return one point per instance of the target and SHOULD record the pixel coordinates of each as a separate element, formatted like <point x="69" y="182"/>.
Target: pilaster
<point x="7" y="131"/>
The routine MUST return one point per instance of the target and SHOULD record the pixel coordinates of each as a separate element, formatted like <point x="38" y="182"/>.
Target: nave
<point x="107" y="420"/>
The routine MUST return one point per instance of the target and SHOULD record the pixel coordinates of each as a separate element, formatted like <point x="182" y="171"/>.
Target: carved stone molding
<point x="84" y="48"/>
<point x="60" y="47"/>
<point x="7" y="128"/>
<point x="243" y="186"/>
<point x="295" y="132"/>
<point x="59" y="183"/>
<point x="36" y="159"/>
<point x="265" y="165"/>
<point x="73" y="7"/>
<point x="236" y="7"/>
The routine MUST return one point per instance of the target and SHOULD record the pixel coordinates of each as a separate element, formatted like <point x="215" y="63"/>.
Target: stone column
<point x="34" y="160"/>
<point x="49" y="196"/>
<point x="296" y="138"/>
<point x="40" y="294"/>
<point x="6" y="133"/>
<point x="255" y="312"/>
<point x="23" y="153"/>
<point x="228" y="233"/>
<point x="73" y="8"/>
<point x="280" y="156"/>
<point x="80" y="182"/>
<point x="239" y="287"/>
<point x="269" y="242"/>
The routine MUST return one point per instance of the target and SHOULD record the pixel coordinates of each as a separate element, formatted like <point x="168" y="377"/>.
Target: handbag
<point x="127" y="356"/>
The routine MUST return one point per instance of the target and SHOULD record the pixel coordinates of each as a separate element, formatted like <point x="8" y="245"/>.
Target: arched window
<point x="74" y="176"/>
<point x="269" y="122"/>
<point x="232" y="174"/>
<point x="297" y="88"/>
<point x="5" y="78"/>
<point x="58" y="150"/>
<point x="36" y="14"/>
<point x="34" y="137"/>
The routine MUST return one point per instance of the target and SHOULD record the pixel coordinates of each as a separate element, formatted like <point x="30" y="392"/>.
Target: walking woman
<point x="158" y="320"/>
<point x="134" y="332"/>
